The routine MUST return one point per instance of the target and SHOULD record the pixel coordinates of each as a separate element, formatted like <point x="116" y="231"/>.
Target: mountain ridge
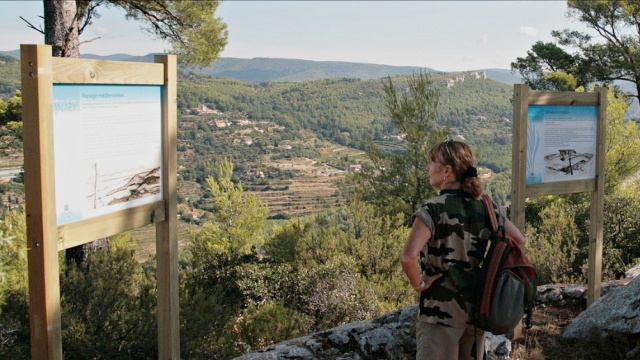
<point x="263" y="69"/>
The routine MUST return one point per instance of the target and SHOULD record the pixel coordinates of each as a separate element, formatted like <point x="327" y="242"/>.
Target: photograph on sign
<point x="561" y="143"/>
<point x="107" y="148"/>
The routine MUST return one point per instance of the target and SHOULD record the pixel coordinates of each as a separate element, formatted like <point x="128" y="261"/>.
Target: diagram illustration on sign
<point x="121" y="187"/>
<point x="568" y="162"/>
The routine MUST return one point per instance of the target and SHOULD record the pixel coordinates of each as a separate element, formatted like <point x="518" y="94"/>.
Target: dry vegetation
<point x="544" y="340"/>
<point x="11" y="159"/>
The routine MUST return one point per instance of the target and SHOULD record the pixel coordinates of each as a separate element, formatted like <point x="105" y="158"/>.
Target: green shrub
<point x="269" y="324"/>
<point x="108" y="306"/>
<point x="553" y="244"/>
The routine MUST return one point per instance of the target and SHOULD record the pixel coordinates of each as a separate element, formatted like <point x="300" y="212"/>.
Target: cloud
<point x="528" y="30"/>
<point x="101" y="30"/>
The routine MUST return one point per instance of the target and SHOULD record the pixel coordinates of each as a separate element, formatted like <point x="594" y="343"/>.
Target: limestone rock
<point x="392" y="336"/>
<point x="496" y="347"/>
<point x="618" y="312"/>
<point x="633" y="272"/>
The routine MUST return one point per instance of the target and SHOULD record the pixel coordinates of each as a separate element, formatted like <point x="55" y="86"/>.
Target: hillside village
<point x="279" y="173"/>
<point x="311" y="185"/>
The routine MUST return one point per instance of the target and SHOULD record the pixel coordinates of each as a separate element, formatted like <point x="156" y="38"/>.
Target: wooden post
<point x="519" y="159"/>
<point x="597" y="204"/>
<point x="518" y="170"/>
<point x="166" y="231"/>
<point x="42" y="241"/>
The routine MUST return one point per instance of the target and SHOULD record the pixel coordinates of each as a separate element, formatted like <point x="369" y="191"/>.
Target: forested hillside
<point x="9" y="75"/>
<point x="346" y="110"/>
<point x="340" y="111"/>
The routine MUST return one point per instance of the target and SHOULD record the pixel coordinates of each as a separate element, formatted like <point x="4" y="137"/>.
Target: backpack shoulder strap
<point x="488" y="204"/>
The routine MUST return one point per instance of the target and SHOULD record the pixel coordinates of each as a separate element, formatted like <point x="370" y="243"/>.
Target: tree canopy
<point x="192" y="29"/>
<point x="399" y="182"/>
<point x="612" y="55"/>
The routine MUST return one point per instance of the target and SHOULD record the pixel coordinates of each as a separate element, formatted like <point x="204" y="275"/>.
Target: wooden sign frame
<point x="521" y="190"/>
<point x="39" y="72"/>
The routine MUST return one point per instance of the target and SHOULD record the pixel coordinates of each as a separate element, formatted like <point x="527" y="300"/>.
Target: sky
<point x="441" y="35"/>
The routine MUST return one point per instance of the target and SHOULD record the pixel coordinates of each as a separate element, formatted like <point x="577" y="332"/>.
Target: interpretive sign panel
<point x="558" y="144"/>
<point x="111" y="156"/>
<point x="561" y="143"/>
<point x="100" y="159"/>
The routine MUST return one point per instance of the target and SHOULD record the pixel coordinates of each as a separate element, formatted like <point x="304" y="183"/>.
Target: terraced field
<point x="311" y="190"/>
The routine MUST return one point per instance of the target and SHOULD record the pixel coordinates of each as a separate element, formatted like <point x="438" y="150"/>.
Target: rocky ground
<point x="544" y="340"/>
<point x="392" y="336"/>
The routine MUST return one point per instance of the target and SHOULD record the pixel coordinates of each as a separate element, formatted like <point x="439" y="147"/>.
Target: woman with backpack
<point x="448" y="238"/>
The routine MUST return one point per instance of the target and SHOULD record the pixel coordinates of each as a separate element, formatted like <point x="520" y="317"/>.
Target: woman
<point x="450" y="231"/>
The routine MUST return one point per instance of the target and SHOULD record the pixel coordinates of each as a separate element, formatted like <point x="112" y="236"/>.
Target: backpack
<point x="502" y="290"/>
<point x="508" y="281"/>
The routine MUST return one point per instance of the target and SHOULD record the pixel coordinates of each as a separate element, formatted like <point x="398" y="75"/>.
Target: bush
<point x="271" y="323"/>
<point x="15" y="338"/>
<point x="553" y="244"/>
<point x="336" y="295"/>
<point x="108" y="306"/>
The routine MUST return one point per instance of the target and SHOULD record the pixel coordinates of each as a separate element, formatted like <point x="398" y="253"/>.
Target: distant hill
<point x="259" y="70"/>
<point x="14" y="53"/>
<point x="270" y="69"/>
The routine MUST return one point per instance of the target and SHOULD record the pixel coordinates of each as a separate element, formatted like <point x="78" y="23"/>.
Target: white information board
<point x="561" y="143"/>
<point x="111" y="156"/>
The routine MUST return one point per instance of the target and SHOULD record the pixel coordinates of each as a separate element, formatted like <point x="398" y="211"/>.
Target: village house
<point x="221" y="123"/>
<point x="397" y="137"/>
<point x="204" y="109"/>
<point x="255" y="174"/>
<point x="277" y="127"/>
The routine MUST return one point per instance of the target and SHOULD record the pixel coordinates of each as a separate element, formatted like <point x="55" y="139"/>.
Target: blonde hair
<point x="459" y="156"/>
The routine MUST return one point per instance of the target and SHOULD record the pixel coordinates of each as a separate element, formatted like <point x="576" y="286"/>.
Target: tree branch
<point x="88" y="10"/>
<point x="90" y="40"/>
<point x="33" y="27"/>
<point x="165" y="23"/>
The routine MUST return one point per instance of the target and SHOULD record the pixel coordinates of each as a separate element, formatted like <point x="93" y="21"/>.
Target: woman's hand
<point x="426" y="282"/>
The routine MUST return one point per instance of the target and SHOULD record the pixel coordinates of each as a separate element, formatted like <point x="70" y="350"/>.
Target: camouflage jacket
<point x="460" y="232"/>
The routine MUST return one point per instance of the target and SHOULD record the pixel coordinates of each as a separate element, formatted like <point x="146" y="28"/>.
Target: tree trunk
<point x="61" y="27"/>
<point x="61" y="23"/>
